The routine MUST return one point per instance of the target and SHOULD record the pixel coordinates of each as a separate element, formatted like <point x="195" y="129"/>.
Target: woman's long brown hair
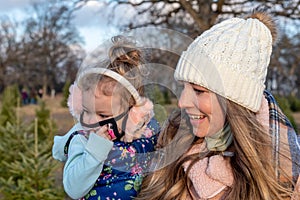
<point x="253" y="170"/>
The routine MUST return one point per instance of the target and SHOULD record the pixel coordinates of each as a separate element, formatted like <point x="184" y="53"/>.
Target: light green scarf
<point x="221" y="140"/>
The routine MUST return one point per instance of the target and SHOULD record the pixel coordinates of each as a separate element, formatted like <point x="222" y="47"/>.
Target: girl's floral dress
<point x="123" y="171"/>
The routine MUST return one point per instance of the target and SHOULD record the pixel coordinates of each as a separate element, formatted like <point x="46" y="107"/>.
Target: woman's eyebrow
<point x="199" y="86"/>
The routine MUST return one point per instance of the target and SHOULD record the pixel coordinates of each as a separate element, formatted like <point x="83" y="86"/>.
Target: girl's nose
<point x="90" y="119"/>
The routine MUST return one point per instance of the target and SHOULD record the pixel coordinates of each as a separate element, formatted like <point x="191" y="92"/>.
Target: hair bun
<point x="268" y="20"/>
<point x="125" y="52"/>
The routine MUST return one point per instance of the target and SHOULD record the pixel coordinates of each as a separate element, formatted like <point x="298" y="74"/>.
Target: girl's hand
<point x="129" y="137"/>
<point x="103" y="132"/>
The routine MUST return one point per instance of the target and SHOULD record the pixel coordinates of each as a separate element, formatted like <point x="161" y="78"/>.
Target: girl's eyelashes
<point x="99" y="114"/>
<point x="104" y="116"/>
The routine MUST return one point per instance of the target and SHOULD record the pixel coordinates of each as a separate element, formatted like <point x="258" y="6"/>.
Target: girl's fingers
<point x="103" y="132"/>
<point x="128" y="138"/>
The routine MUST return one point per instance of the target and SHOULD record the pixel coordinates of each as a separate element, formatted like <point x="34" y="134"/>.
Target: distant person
<point x="242" y="147"/>
<point x="33" y="96"/>
<point x="25" y="97"/>
<point x="40" y="93"/>
<point x="107" y="153"/>
<point x="52" y="93"/>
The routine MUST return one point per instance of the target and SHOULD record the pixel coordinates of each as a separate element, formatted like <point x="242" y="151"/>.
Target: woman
<point x="243" y="146"/>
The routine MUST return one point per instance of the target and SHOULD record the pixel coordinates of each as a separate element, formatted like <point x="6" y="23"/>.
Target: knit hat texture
<point x="231" y="59"/>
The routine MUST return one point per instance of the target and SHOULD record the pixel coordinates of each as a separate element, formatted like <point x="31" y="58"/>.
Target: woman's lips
<point x="196" y="119"/>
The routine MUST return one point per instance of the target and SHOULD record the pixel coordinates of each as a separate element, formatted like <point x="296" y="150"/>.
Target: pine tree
<point x="14" y="139"/>
<point x="27" y="169"/>
<point x="46" y="126"/>
<point x="64" y="102"/>
<point x="154" y="93"/>
<point x="167" y="97"/>
<point x="10" y="100"/>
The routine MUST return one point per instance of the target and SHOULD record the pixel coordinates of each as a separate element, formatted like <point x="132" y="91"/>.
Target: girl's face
<point x="203" y="109"/>
<point x="98" y="106"/>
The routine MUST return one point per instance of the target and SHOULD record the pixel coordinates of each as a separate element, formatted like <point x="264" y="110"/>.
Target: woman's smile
<point x="196" y="119"/>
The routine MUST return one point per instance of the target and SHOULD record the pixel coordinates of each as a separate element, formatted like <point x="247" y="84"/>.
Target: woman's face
<point x="203" y="108"/>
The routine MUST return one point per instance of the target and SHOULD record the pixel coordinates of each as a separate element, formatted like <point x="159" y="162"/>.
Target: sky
<point x="92" y="26"/>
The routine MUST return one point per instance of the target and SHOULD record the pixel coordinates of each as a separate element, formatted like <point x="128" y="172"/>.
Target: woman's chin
<point x="199" y="134"/>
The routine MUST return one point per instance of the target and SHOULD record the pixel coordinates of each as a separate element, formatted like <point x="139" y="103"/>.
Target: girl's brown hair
<point x="125" y="58"/>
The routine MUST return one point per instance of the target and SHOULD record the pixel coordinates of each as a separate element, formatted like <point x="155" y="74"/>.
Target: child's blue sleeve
<point x="60" y="142"/>
<point x="84" y="164"/>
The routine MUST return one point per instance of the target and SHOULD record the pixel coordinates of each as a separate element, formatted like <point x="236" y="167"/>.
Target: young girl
<point x="242" y="145"/>
<point x="107" y="153"/>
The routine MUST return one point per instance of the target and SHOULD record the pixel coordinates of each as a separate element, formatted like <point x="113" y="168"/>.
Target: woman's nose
<point x="185" y="99"/>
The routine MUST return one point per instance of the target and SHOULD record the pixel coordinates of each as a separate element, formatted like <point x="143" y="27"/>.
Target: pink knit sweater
<point x="210" y="175"/>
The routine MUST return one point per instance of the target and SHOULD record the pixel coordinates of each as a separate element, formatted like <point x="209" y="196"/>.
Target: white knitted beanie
<point x="231" y="59"/>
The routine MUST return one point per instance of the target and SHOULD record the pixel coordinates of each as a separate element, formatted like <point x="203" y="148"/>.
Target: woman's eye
<point x="198" y="91"/>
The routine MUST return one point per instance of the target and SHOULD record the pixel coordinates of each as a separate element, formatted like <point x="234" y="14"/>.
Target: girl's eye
<point x="103" y="116"/>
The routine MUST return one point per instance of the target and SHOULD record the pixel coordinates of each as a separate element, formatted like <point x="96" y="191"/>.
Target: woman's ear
<point x="262" y="115"/>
